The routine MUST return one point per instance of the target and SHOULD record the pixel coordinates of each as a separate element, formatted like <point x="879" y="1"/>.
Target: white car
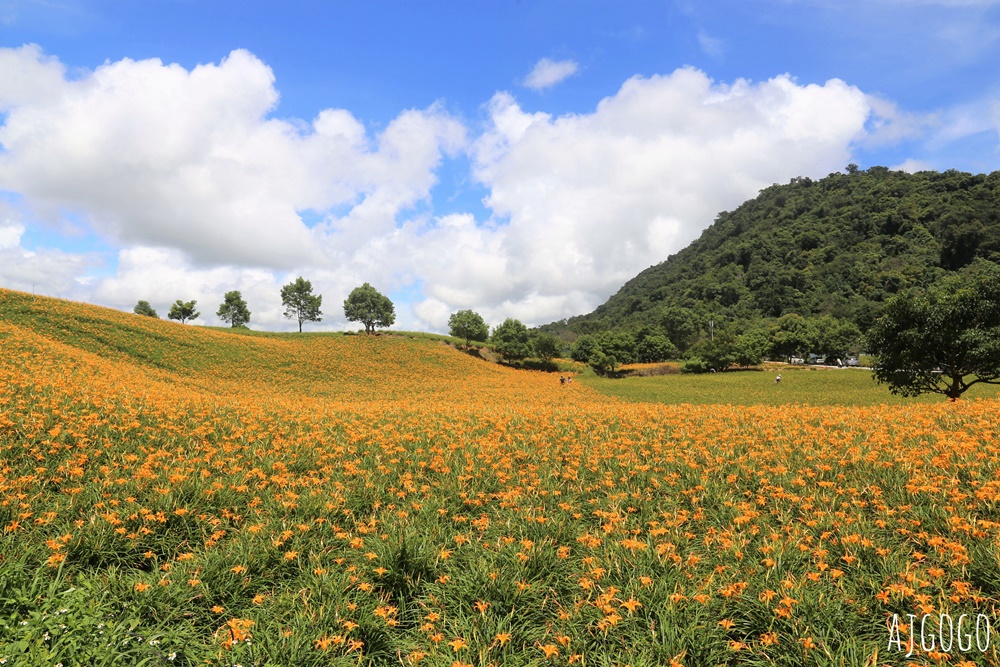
<point x="798" y="360"/>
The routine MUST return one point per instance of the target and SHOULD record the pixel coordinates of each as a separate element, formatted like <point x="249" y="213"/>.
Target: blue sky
<point x="519" y="158"/>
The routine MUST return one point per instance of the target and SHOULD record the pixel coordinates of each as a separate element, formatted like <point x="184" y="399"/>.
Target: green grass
<point x="136" y="523"/>
<point x="807" y="386"/>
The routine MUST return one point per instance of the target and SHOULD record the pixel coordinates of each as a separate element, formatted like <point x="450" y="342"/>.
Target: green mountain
<point x="838" y="246"/>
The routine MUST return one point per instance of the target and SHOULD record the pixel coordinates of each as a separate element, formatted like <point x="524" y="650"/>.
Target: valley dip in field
<point x="940" y="632"/>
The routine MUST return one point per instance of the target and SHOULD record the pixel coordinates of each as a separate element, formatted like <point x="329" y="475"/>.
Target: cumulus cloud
<point x="589" y="200"/>
<point x="28" y="75"/>
<point x="51" y="272"/>
<point x="189" y="174"/>
<point x="548" y="73"/>
<point x="154" y="154"/>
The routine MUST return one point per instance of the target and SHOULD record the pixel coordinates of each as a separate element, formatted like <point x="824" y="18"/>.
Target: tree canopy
<point x="941" y="340"/>
<point x="300" y="303"/>
<point x="234" y="310"/>
<point x="468" y="325"/>
<point x="367" y="305"/>
<point x="546" y="346"/>
<point x="183" y="311"/>
<point x="511" y="340"/>
<point x="143" y="308"/>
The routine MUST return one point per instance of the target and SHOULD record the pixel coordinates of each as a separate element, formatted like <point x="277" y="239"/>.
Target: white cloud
<point x="10" y="235"/>
<point x="912" y="166"/>
<point x="590" y="200"/>
<point x="201" y="189"/>
<point x="27" y="75"/>
<point x="434" y="313"/>
<point x="51" y="272"/>
<point x="548" y="73"/>
<point x="154" y="154"/>
<point x="889" y="124"/>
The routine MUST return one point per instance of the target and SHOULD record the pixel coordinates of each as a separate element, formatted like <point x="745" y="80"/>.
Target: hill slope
<point x="838" y="246"/>
<point x="155" y="356"/>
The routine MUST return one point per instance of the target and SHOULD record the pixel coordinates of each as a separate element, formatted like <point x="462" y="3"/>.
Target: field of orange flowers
<point x="171" y="495"/>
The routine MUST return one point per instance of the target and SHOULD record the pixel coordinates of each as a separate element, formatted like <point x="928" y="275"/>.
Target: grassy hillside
<point x="840" y="246"/>
<point x="171" y="495"/>
<point x="212" y="361"/>
<point x="799" y="385"/>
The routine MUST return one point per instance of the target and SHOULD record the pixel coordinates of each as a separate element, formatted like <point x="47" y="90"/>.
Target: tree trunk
<point x="954" y="391"/>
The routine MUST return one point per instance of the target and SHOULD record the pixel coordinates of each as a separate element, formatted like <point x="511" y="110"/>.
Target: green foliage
<point x="654" y="348"/>
<point x="803" y="385"/>
<point x="835" y="338"/>
<point x="750" y="348"/>
<point x="183" y="311"/>
<point x="717" y="354"/>
<point x="469" y="325"/>
<point x="583" y="348"/>
<point x="792" y="335"/>
<point x="546" y="347"/>
<point x="680" y="325"/>
<point x="367" y="305"/>
<point x="695" y="365"/>
<point x="46" y="620"/>
<point x="839" y="246"/>
<point x="300" y="303"/>
<point x="602" y="363"/>
<point x="143" y="308"/>
<point x="511" y="340"/>
<point x="234" y="310"/>
<point x="943" y="340"/>
<point x="618" y="344"/>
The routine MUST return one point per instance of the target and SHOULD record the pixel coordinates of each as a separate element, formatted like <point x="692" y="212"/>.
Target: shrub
<point x="695" y="365"/>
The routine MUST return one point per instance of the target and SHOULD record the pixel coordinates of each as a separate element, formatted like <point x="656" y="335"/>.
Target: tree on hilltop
<point x="300" y="303"/>
<point x="468" y="325"/>
<point x="183" y="311"/>
<point x="511" y="340"/>
<point x="546" y="346"/>
<point x="367" y="305"/>
<point x="143" y="308"/>
<point x="234" y="310"/>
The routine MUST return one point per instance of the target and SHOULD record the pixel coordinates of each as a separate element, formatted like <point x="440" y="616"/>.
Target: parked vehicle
<point x="852" y="361"/>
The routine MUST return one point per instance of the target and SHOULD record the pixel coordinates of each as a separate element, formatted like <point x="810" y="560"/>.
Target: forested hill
<point x="838" y="246"/>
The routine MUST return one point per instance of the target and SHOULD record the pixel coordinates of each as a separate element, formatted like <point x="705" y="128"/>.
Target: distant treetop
<point x="143" y="308"/>
<point x="300" y="303"/>
<point x="183" y="311"/>
<point x="367" y="305"/>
